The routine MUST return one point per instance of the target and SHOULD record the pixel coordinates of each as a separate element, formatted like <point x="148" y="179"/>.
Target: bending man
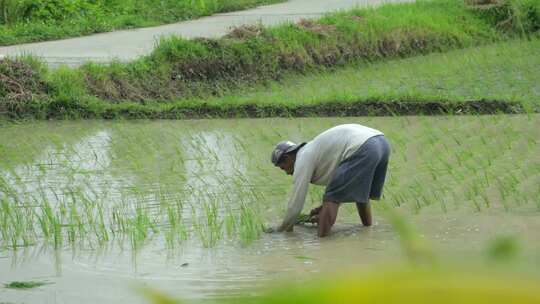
<point x="350" y="160"/>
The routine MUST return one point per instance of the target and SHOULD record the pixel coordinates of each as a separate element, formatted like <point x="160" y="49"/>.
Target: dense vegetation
<point x="33" y="20"/>
<point x="185" y="69"/>
<point x="494" y="78"/>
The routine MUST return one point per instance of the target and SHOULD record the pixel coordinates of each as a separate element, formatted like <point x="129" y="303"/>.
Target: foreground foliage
<point x="409" y="286"/>
<point x="399" y="283"/>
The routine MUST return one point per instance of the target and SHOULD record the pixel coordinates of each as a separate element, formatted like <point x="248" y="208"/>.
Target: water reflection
<point x="59" y="171"/>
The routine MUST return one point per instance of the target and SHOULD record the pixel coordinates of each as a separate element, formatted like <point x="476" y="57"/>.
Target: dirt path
<point x="130" y="44"/>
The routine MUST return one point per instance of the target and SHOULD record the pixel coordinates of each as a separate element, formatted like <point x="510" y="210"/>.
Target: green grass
<point x="505" y="72"/>
<point x="33" y="20"/>
<point x="204" y="68"/>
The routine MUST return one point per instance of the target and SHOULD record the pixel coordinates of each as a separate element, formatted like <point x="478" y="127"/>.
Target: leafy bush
<point x="35" y="20"/>
<point x="13" y="11"/>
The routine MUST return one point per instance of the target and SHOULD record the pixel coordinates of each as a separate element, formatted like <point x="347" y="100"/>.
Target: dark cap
<point x="282" y="148"/>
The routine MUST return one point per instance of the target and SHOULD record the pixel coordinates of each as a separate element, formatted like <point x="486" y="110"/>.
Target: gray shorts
<point x="361" y="176"/>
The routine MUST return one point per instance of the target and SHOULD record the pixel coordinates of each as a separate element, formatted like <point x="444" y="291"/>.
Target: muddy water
<point x="226" y="162"/>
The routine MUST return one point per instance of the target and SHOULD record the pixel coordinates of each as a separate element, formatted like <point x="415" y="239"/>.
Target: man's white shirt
<point x="317" y="160"/>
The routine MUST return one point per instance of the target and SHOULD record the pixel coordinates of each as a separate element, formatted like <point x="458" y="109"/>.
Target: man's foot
<point x="327" y="217"/>
<point x="364" y="211"/>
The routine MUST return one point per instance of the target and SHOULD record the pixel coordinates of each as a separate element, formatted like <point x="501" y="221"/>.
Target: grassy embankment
<point x="34" y="20"/>
<point x="500" y="77"/>
<point x="181" y="77"/>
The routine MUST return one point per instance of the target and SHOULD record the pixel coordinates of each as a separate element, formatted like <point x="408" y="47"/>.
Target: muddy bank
<point x="331" y="109"/>
<point x="27" y="94"/>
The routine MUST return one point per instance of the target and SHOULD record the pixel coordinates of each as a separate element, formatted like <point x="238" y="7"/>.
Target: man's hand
<point x="313" y="219"/>
<point x="315" y="211"/>
<point x="270" y="229"/>
<point x="314" y="215"/>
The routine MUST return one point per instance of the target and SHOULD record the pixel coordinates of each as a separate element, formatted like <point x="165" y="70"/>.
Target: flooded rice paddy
<point x="97" y="208"/>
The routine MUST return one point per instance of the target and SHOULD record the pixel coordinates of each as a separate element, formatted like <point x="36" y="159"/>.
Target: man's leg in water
<point x="327" y="217"/>
<point x="364" y="211"/>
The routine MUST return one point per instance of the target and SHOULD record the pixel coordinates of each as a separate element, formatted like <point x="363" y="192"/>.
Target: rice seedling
<point x="208" y="224"/>
<point x="167" y="182"/>
<point x="250" y="224"/>
<point x="175" y="232"/>
<point x="141" y="225"/>
<point x="230" y="223"/>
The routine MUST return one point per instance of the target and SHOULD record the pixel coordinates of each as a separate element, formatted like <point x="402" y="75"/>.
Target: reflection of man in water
<point x="350" y="160"/>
